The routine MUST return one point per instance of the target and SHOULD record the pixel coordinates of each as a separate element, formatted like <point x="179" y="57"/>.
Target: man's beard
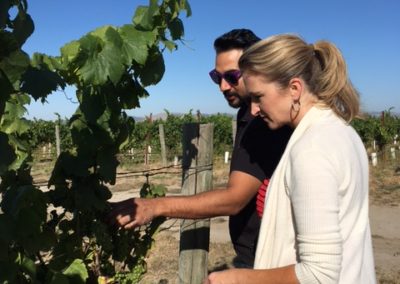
<point x="233" y="99"/>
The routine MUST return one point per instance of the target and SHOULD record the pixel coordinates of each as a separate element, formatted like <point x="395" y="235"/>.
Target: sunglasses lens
<point x="215" y="76"/>
<point x="232" y="77"/>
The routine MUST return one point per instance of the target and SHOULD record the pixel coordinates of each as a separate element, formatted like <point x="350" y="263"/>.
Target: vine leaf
<point x="103" y="62"/>
<point x="23" y="27"/>
<point x="176" y="28"/>
<point x="154" y="69"/>
<point x="7" y="153"/>
<point x="107" y="163"/>
<point x="143" y="17"/>
<point x="135" y="44"/>
<point x="76" y="272"/>
<point x="14" y="66"/>
<point x="49" y="82"/>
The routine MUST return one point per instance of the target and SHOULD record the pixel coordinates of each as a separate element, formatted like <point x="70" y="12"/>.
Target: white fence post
<point x="393" y="152"/>
<point x="374" y="159"/>
<point x="226" y="158"/>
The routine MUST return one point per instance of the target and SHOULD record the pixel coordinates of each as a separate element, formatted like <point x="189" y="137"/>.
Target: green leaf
<point x="129" y="91"/>
<point x="4" y="7"/>
<point x="176" y="29"/>
<point x="154" y="69"/>
<point x="43" y="61"/>
<point x="49" y="82"/>
<point x="107" y="165"/>
<point x="23" y="27"/>
<point x="186" y="6"/>
<point x="143" y="17"/>
<point x="8" y="272"/>
<point x="157" y="190"/>
<point x="76" y="272"/>
<point x="170" y="45"/>
<point x="28" y="266"/>
<point x="58" y="278"/>
<point x="102" y="49"/>
<point x="70" y="51"/>
<point x="7" y="153"/>
<point x="12" y="121"/>
<point x="8" y="43"/>
<point x="14" y="66"/>
<point x="135" y="44"/>
<point x="7" y="228"/>
<point x="5" y="91"/>
<point x="92" y="105"/>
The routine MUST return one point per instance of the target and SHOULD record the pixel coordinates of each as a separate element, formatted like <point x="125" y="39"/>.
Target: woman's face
<point x="268" y="100"/>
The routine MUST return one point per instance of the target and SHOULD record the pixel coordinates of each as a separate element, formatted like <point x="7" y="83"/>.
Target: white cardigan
<point x="316" y="208"/>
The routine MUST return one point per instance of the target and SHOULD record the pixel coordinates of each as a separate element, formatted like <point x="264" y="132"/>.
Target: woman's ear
<point x="296" y="88"/>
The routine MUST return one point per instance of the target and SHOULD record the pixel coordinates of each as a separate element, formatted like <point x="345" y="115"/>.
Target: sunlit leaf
<point x="76" y="272"/>
<point x="170" y="45"/>
<point x="28" y="266"/>
<point x="14" y="67"/>
<point x="135" y="44"/>
<point x="103" y="57"/>
<point x="143" y="17"/>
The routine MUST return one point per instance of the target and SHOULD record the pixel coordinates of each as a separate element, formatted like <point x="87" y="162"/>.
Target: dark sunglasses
<point x="231" y="76"/>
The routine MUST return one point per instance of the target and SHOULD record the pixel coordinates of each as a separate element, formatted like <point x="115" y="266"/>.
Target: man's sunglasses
<point x="231" y="76"/>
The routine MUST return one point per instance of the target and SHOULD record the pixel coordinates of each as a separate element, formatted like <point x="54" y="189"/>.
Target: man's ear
<point x="296" y="86"/>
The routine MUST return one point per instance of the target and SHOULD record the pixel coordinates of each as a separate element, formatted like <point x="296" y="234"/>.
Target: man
<point x="256" y="153"/>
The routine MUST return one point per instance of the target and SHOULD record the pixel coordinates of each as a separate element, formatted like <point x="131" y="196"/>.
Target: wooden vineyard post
<point x="58" y="147"/>
<point x="162" y="143"/>
<point x="234" y="123"/>
<point x="196" y="177"/>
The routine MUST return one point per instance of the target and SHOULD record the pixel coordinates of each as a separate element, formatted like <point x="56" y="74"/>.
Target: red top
<point x="261" y="197"/>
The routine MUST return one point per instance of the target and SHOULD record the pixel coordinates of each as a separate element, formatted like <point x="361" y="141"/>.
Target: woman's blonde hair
<point x="321" y="65"/>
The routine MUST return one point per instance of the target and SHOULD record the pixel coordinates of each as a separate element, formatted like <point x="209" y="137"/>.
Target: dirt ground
<point x="384" y="210"/>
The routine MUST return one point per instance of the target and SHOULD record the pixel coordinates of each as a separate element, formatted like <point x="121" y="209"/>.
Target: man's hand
<point x="131" y="213"/>
<point x="230" y="276"/>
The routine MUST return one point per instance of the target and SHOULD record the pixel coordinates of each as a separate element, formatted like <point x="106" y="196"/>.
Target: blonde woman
<point x="316" y="227"/>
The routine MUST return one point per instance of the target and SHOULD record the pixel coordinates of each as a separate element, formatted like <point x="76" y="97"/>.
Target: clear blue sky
<point x="367" y="32"/>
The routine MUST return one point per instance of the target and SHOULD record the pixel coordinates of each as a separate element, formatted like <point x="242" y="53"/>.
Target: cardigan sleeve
<point x="313" y="184"/>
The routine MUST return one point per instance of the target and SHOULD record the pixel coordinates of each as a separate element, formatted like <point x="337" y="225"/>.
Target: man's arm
<point x="134" y="212"/>
<point x="281" y="275"/>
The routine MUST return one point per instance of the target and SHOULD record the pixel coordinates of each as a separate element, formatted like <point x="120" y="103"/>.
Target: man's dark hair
<point x="235" y="39"/>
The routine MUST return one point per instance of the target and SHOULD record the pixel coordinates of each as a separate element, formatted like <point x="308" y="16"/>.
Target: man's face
<point x="235" y="95"/>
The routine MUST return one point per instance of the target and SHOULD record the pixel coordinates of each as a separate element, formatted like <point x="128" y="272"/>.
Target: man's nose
<point x="224" y="85"/>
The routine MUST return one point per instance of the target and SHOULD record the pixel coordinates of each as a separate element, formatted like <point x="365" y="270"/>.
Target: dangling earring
<point x="295" y="108"/>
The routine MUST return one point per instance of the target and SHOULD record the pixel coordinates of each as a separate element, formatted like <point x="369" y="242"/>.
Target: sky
<point x="366" y="31"/>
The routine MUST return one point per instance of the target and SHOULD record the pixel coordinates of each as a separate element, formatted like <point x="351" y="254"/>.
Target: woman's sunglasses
<point x="231" y="76"/>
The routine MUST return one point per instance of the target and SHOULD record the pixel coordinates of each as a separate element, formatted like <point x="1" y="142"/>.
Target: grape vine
<point x="59" y="235"/>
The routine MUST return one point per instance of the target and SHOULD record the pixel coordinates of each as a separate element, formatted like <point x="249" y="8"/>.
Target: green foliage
<point x="381" y="129"/>
<point x="109" y="68"/>
<point x="147" y="132"/>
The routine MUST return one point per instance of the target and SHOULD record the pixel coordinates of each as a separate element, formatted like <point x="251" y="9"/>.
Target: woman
<point x="315" y="227"/>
